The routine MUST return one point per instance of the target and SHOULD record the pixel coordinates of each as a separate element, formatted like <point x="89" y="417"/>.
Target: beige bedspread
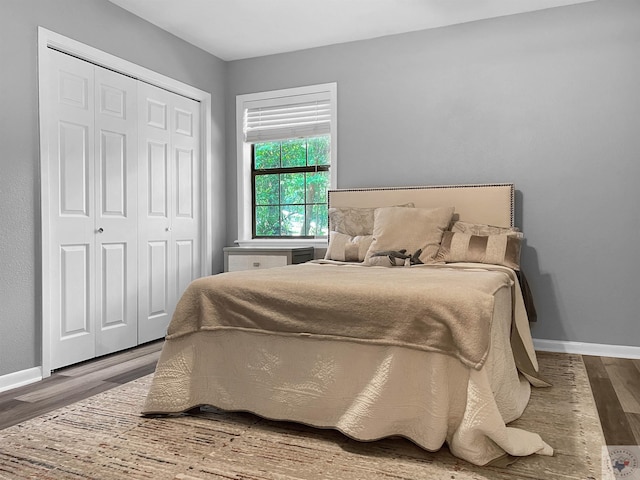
<point x="439" y="310"/>
<point x="366" y="389"/>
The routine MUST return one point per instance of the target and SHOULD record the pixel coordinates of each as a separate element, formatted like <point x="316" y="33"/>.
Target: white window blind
<point x="287" y="117"/>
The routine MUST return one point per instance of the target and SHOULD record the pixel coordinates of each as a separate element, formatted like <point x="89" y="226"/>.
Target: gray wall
<point x="105" y="26"/>
<point x="548" y="100"/>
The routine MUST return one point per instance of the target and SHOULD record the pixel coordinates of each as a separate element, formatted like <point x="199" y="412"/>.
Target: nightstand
<point x="254" y="258"/>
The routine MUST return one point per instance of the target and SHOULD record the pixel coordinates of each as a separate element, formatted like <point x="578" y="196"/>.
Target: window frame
<point x="245" y="163"/>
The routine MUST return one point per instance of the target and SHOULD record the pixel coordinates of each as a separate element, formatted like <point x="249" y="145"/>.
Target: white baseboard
<point x="21" y="378"/>
<point x="597" y="349"/>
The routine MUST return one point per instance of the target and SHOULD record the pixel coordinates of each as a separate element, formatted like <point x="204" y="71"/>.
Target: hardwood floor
<point x="74" y="383"/>
<point x="615" y="383"/>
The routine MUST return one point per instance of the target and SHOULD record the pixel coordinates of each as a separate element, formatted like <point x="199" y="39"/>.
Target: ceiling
<point x="236" y="29"/>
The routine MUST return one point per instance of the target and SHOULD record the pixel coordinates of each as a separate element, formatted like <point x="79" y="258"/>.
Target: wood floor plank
<point x="111" y="360"/>
<point x="71" y="384"/>
<point x="32" y="387"/>
<point x="133" y="374"/>
<point x="8" y="412"/>
<point x="595" y="367"/>
<point x="79" y="382"/>
<point x="615" y="425"/>
<point x="634" y="422"/>
<point x="625" y="378"/>
<point x="17" y="411"/>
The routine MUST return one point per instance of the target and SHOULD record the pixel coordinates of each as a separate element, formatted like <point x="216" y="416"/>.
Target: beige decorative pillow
<point x="482" y="229"/>
<point x="354" y="221"/>
<point x="409" y="229"/>
<point x="501" y="249"/>
<point x="346" y="248"/>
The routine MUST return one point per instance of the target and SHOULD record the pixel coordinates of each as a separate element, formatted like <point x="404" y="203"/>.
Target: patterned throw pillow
<point x="354" y="221"/>
<point x="346" y="248"/>
<point x="482" y="229"/>
<point x="502" y="249"/>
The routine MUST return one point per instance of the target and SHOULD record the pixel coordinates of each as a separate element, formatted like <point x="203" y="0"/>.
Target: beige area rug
<point x="104" y="437"/>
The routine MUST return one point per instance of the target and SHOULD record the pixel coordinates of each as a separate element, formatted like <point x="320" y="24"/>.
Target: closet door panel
<point x="113" y="163"/>
<point x="157" y="166"/>
<point x="74" y="168"/>
<point x="116" y="220"/>
<point x="75" y="302"/>
<point x="114" y="285"/>
<point x="157" y="284"/>
<point x="186" y="221"/>
<point x="169" y="210"/>
<point x="71" y="209"/>
<point x="186" y="186"/>
<point x="185" y="264"/>
<point x="158" y="279"/>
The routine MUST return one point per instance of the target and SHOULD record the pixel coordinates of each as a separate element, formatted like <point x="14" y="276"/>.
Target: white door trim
<point x="48" y="39"/>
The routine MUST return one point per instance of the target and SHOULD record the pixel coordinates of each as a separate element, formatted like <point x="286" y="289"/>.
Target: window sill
<point x="283" y="242"/>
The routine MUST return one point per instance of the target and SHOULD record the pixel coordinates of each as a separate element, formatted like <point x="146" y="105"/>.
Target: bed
<point x="414" y="324"/>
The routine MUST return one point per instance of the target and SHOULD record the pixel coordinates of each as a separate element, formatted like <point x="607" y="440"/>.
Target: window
<point x="286" y="159"/>
<point x="289" y="184"/>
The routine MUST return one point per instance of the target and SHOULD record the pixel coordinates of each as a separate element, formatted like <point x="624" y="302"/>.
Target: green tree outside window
<point x="290" y="182"/>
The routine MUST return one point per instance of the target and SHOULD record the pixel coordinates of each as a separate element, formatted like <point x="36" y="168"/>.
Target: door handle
<point x="100" y="230"/>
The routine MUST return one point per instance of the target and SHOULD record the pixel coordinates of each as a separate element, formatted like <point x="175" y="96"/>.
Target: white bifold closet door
<point x="124" y="227"/>
<point x="169" y="208"/>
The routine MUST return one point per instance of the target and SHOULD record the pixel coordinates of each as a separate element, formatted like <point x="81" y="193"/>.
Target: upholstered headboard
<point x="490" y="204"/>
